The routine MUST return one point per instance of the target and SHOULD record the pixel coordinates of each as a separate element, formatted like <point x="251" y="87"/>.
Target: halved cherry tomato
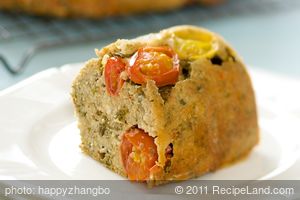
<point x="192" y="49"/>
<point x="112" y="71"/>
<point x="139" y="154"/>
<point x="194" y="44"/>
<point x="160" y="64"/>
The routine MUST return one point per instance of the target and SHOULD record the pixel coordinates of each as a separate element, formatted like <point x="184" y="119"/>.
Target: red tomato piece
<point x="113" y="68"/>
<point x="160" y="64"/>
<point x="139" y="154"/>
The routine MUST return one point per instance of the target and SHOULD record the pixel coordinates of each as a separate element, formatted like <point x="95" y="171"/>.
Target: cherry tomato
<point x="194" y="44"/>
<point x="160" y="64"/>
<point x="192" y="49"/>
<point x="112" y="71"/>
<point x="139" y="154"/>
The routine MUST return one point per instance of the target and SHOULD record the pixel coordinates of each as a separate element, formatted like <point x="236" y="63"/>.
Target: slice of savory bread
<point x="166" y="106"/>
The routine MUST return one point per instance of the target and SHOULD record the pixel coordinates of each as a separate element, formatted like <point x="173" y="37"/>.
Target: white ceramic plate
<point x="40" y="140"/>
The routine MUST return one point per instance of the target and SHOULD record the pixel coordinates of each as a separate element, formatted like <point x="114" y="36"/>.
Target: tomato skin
<point x="139" y="60"/>
<point x="113" y="68"/>
<point x="139" y="154"/>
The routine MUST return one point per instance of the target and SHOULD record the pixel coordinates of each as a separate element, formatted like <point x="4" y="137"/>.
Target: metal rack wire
<point x="49" y="33"/>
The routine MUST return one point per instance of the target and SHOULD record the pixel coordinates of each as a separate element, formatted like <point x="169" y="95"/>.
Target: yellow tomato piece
<point x="194" y="45"/>
<point x="195" y="35"/>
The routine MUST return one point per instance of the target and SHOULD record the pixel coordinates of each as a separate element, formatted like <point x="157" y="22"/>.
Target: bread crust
<point x="209" y="117"/>
<point x="93" y="8"/>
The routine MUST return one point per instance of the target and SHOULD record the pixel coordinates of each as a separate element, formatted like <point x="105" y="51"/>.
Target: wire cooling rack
<point x="47" y="33"/>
